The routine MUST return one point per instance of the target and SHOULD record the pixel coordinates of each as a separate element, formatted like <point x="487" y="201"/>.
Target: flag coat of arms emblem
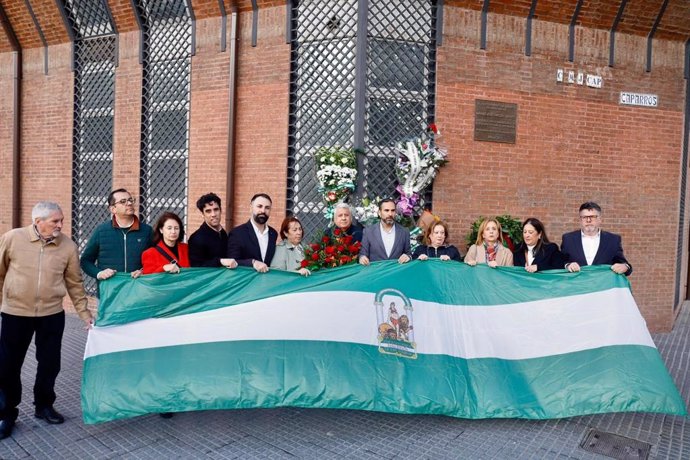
<point x="396" y="330"/>
<point x="425" y="337"/>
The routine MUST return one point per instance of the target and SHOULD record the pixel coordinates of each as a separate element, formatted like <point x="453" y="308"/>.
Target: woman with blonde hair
<point x="489" y="249"/>
<point x="435" y="246"/>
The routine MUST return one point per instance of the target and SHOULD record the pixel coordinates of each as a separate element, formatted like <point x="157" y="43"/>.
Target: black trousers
<point x="15" y="337"/>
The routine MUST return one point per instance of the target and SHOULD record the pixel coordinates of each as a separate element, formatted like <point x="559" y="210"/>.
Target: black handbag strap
<point x="166" y="255"/>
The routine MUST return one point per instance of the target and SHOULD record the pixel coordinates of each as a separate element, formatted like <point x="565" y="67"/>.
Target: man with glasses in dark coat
<point x="116" y="245"/>
<point x="592" y="246"/>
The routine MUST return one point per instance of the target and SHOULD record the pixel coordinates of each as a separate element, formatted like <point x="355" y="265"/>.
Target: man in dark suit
<point x="253" y="244"/>
<point x="386" y="240"/>
<point x="593" y="246"/>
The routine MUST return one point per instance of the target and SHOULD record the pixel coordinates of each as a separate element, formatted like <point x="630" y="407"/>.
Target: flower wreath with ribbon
<point x="418" y="162"/>
<point x="336" y="171"/>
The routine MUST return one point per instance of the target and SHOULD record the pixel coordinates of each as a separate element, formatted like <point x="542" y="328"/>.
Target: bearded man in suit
<point x="253" y="243"/>
<point x="386" y="240"/>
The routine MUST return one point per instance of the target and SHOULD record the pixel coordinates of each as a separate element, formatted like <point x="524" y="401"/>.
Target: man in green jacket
<point x="116" y="245"/>
<point x="38" y="266"/>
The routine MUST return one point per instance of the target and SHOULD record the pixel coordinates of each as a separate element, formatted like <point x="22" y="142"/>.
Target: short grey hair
<point x="43" y="209"/>
<point x="343" y="205"/>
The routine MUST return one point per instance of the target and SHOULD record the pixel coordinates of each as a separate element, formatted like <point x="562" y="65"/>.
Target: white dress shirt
<point x="530" y="254"/>
<point x="590" y="246"/>
<point x="388" y="238"/>
<point x="263" y="239"/>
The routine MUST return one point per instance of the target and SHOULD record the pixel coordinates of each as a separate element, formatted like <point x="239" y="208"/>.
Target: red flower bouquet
<point x="329" y="252"/>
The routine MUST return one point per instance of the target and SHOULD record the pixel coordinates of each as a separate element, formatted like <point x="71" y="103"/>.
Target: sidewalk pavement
<point x="289" y="433"/>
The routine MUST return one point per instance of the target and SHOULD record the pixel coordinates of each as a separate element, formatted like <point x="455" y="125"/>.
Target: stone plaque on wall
<point x="495" y="121"/>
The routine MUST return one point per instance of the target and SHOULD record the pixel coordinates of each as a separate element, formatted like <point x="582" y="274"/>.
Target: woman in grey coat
<point x="290" y="252"/>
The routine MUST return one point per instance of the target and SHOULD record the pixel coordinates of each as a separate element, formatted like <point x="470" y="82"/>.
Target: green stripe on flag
<point x="453" y="340"/>
<point x="251" y="374"/>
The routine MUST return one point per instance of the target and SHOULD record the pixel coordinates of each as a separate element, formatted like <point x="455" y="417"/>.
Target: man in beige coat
<point x="38" y="266"/>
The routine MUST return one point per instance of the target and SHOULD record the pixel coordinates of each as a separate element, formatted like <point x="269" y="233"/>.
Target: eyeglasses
<point x="587" y="218"/>
<point x="124" y="201"/>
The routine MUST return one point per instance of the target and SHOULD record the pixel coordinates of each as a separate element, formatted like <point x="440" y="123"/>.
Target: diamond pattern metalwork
<point x="167" y="51"/>
<point x="400" y="84"/>
<point x="94" y="100"/>
<point x="399" y="91"/>
<point x="89" y="18"/>
<point x="322" y="102"/>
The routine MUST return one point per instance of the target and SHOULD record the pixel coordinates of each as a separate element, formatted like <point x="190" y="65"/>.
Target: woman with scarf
<point x="489" y="249"/>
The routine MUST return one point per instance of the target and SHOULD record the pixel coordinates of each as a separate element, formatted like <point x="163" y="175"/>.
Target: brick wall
<point x="6" y="139"/>
<point x="127" y="119"/>
<point x="260" y="156"/>
<point x="46" y="135"/>
<point x="208" y="149"/>
<point x="262" y="114"/>
<point x="574" y="143"/>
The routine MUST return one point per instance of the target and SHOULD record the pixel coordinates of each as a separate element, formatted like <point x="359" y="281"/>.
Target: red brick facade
<point x="574" y="143"/>
<point x="46" y="132"/>
<point x="6" y="138"/>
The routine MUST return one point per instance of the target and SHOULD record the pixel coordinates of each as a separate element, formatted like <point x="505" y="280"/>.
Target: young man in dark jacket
<point x="209" y="244"/>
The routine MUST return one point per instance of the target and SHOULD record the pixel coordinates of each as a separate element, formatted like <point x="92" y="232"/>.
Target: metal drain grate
<point x="614" y="446"/>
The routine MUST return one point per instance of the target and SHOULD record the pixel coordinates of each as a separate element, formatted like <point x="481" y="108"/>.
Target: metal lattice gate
<point x="400" y="87"/>
<point x="94" y="89"/>
<point x="363" y="76"/>
<point x="167" y="51"/>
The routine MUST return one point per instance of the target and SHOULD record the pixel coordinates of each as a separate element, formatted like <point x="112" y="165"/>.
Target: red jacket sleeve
<point x="152" y="261"/>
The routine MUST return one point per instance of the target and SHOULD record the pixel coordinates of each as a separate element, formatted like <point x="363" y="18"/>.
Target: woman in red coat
<point x="168" y="253"/>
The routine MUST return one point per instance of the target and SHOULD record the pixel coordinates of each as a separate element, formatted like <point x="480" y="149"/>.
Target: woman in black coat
<point x="536" y="253"/>
<point x="435" y="245"/>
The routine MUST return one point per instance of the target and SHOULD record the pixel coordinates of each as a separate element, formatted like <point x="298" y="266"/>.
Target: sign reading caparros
<point x="644" y="100"/>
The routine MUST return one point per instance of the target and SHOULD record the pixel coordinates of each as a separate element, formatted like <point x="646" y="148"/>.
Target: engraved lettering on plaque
<point x="495" y="121"/>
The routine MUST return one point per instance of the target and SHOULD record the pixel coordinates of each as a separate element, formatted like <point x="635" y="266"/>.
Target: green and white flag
<point x="428" y="337"/>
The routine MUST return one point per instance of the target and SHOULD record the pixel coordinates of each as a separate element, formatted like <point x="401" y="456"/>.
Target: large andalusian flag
<point x="427" y="337"/>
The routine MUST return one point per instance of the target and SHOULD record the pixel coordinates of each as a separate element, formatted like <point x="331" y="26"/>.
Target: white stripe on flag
<point x="515" y="331"/>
